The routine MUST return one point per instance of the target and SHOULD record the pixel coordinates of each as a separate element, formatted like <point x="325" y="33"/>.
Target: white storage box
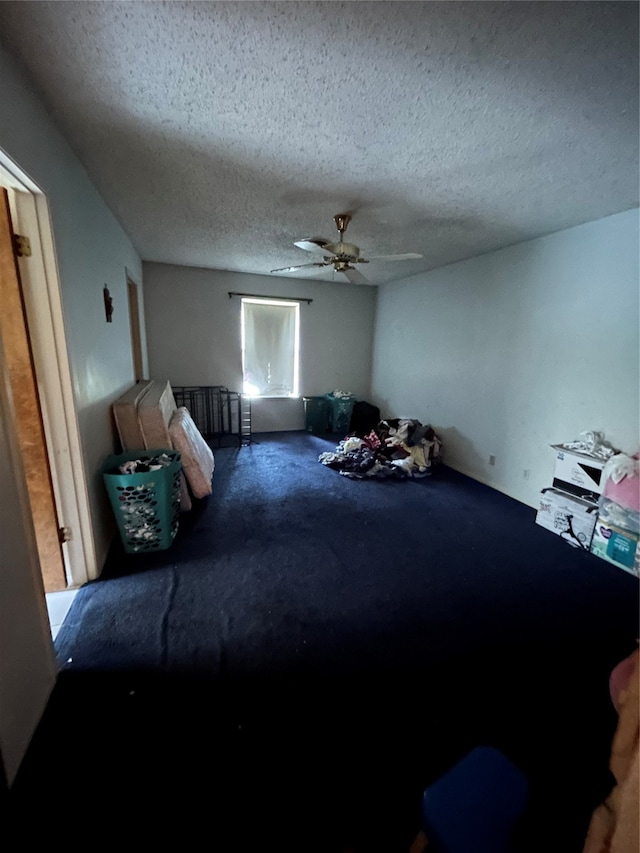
<point x="578" y="473"/>
<point x="616" y="545"/>
<point x="569" y="517"/>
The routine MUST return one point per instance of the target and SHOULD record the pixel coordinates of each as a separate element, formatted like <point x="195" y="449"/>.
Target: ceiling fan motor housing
<point x="343" y="251"/>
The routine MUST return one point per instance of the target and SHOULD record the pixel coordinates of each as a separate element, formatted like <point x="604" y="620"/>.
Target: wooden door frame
<point x="133" y="300"/>
<point x="26" y="409"/>
<point x="43" y="305"/>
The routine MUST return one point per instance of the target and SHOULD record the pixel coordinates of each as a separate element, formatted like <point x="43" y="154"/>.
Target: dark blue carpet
<point x="313" y="650"/>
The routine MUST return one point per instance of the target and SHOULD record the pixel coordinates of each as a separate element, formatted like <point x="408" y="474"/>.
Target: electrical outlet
<point x="526" y="473"/>
<point x="492" y="460"/>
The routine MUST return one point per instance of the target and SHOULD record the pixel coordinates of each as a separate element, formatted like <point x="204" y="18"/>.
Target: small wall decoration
<point x="108" y="304"/>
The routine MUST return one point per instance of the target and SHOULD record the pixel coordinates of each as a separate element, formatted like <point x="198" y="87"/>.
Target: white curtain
<point x="269" y="348"/>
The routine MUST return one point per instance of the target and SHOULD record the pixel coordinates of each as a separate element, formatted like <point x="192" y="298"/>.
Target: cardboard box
<point x="578" y="473"/>
<point x="569" y="517"/>
<point x="617" y="546"/>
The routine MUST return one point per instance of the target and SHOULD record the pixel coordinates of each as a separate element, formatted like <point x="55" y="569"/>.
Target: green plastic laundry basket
<point x="146" y="505"/>
<point x="340" y="409"/>
<point x="316" y="414"/>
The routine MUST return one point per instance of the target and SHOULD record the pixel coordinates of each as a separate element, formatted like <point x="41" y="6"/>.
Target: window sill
<point x="274" y="397"/>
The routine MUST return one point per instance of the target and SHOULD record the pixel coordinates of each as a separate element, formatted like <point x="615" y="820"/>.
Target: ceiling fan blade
<point x="300" y="267"/>
<point x="313" y="244"/>
<point x="408" y="257"/>
<point x="354" y="276"/>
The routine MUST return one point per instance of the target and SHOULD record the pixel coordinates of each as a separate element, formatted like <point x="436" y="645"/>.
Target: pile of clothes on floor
<point x="398" y="448"/>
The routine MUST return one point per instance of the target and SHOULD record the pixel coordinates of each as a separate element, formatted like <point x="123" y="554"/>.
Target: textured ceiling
<point x="220" y="132"/>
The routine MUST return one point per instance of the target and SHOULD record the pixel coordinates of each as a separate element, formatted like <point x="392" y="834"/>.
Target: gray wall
<point x="193" y="332"/>
<point x="512" y="351"/>
<point x="92" y="251"/>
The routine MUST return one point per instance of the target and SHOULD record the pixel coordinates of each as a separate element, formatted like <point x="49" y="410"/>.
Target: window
<point x="270" y="343"/>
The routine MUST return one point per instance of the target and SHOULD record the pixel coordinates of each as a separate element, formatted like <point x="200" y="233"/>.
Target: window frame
<point x="284" y="303"/>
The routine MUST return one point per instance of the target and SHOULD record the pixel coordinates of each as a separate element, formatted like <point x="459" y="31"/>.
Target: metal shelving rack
<point x="220" y="415"/>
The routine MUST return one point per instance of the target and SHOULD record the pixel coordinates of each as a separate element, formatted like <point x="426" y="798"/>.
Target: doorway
<point x="57" y="479"/>
<point x="27" y="411"/>
<point x="134" y="320"/>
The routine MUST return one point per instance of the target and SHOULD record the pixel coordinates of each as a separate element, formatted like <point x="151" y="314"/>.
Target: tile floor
<point x="58" y="604"/>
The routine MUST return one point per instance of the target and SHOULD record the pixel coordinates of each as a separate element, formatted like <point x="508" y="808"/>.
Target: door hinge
<point x="22" y="246"/>
<point x="64" y="534"/>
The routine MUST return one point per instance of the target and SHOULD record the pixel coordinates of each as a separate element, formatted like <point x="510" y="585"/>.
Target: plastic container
<point x="316" y="414"/>
<point x="340" y="409"/>
<point x="626" y="492"/>
<point x="146" y="505"/>
<point x="611" y="512"/>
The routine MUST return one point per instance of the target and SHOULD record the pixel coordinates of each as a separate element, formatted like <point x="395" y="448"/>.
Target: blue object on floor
<point x="473" y="808"/>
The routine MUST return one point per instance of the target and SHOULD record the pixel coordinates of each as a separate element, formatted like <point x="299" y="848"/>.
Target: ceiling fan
<point x="341" y="256"/>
